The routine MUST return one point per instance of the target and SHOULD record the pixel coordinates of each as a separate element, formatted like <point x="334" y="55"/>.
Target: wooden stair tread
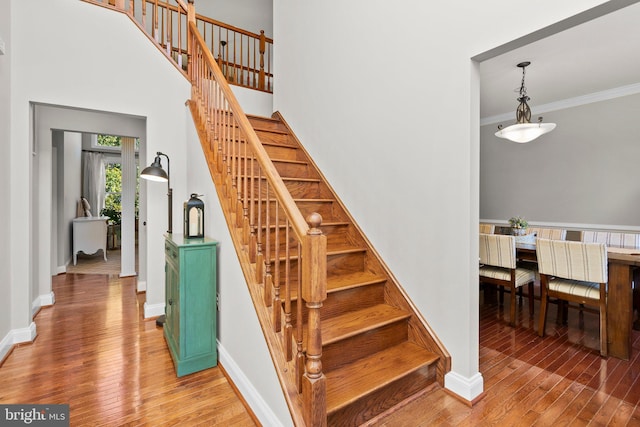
<point x="356" y="322"/>
<point x="350" y="383"/>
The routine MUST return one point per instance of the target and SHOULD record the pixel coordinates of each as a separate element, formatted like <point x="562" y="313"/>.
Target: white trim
<point x="153" y="310"/>
<point x="128" y="274"/>
<point x="17" y="336"/>
<point x="467" y="388"/>
<point x="248" y="391"/>
<point x="567" y="103"/>
<point x="141" y="286"/>
<point x="42" y="301"/>
<point x="570" y="225"/>
<point x="61" y="269"/>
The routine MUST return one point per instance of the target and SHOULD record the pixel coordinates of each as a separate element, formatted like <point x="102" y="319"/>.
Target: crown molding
<point x="568" y="103"/>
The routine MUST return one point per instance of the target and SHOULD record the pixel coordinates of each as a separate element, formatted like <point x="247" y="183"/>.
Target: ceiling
<point x="595" y="56"/>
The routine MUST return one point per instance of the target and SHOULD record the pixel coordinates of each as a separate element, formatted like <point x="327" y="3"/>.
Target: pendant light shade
<point x="524" y="131"/>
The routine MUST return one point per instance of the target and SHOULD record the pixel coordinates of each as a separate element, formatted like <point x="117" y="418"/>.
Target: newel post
<point x="314" y="292"/>
<point x="261" y="76"/>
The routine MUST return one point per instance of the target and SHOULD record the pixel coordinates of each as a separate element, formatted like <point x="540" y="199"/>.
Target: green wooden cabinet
<point x="190" y="302"/>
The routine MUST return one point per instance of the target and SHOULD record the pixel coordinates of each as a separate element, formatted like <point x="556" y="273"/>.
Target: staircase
<point x="347" y="343"/>
<point x="376" y="349"/>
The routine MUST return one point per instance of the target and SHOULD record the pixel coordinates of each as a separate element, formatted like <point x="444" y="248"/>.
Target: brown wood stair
<point x="373" y="344"/>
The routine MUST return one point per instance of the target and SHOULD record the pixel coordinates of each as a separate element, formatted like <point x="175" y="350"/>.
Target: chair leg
<point x="512" y="309"/>
<point x="542" y="323"/>
<point x="604" y="345"/>
<point x="531" y="296"/>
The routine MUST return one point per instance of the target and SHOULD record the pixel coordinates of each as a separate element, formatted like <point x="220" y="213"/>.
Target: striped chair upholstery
<point x="548" y="233"/>
<point x="619" y="240"/>
<point x="573" y="271"/>
<point x="498" y="267"/>
<point x="487" y="228"/>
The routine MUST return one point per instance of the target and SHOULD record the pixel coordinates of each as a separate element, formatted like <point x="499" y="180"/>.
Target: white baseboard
<point x="61" y="269"/>
<point x="259" y="407"/>
<point x="128" y="274"/>
<point x="153" y="310"/>
<point x="466" y="388"/>
<point x="17" y="336"/>
<point x="141" y="286"/>
<point x="42" y="301"/>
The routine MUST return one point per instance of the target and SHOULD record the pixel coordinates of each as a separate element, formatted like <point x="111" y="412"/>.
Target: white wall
<point x="583" y="174"/>
<point x="250" y="15"/>
<point x="385" y="97"/>
<point x="6" y="315"/>
<point x="50" y="76"/>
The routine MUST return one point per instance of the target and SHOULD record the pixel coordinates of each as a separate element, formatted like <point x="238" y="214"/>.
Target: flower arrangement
<point x="518" y="222"/>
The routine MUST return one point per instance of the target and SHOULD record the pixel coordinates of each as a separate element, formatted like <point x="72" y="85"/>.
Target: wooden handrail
<point x="298" y="222"/>
<point x="242" y="164"/>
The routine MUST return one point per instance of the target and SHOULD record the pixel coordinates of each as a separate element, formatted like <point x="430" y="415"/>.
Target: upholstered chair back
<point x="581" y="261"/>
<point x="619" y="240"/>
<point x="548" y="233"/>
<point x="487" y="228"/>
<point x="498" y="250"/>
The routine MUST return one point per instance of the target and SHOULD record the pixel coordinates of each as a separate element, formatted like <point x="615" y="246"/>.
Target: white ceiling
<point x="595" y="56"/>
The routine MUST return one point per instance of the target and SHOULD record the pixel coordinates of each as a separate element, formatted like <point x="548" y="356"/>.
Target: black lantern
<point x="193" y="217"/>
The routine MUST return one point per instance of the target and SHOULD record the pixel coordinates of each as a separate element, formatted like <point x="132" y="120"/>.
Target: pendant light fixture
<point x="524" y="131"/>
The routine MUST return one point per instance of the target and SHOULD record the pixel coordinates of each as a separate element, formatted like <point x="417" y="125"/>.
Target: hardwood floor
<point x="559" y="380"/>
<point x="96" y="353"/>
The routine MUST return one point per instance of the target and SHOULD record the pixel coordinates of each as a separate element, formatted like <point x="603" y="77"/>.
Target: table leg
<point x="619" y="310"/>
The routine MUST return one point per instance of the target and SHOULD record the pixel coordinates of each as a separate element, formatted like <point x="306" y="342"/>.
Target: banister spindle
<point x="261" y="75"/>
<point x="277" y="308"/>
<point x="259" y="255"/>
<point x="268" y="278"/>
<point x="288" y="328"/>
<point x="299" y="325"/>
<point x="252" y="213"/>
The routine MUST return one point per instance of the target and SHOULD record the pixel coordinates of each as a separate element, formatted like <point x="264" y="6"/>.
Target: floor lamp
<point x="155" y="172"/>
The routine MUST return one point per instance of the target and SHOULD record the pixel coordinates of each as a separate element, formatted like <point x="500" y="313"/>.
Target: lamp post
<point x="156" y="173"/>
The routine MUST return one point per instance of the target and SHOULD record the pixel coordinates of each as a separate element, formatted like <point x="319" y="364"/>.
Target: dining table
<point x="621" y="265"/>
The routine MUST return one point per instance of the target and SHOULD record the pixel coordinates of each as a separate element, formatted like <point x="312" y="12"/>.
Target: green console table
<point x="190" y="302"/>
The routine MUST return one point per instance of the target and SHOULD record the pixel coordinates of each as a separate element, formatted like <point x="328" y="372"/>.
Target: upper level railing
<point x="244" y="57"/>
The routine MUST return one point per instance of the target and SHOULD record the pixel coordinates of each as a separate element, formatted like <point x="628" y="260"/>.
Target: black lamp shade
<point x="194" y="217"/>
<point x="155" y="172"/>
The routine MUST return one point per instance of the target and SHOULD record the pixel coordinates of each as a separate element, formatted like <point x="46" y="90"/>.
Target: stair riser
<point x="274" y="152"/>
<point x="337" y="236"/>
<point x="344" y="301"/>
<point x="261" y="124"/>
<point x="325" y="209"/>
<point x="298" y="189"/>
<point x="275" y="138"/>
<point x="337" y="264"/>
<point x="287" y="169"/>
<point x="353" y="348"/>
<point x="382" y="399"/>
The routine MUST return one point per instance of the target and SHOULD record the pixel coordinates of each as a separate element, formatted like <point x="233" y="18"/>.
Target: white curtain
<point x="93" y="181"/>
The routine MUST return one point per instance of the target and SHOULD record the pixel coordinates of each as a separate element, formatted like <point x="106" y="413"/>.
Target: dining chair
<point x="487" y="228"/>
<point x="619" y="240"/>
<point x="575" y="272"/>
<point x="498" y="267"/>
<point x="548" y="233"/>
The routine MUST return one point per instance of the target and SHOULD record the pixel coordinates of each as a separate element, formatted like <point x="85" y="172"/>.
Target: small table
<point x="89" y="236"/>
<point x="621" y="263"/>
